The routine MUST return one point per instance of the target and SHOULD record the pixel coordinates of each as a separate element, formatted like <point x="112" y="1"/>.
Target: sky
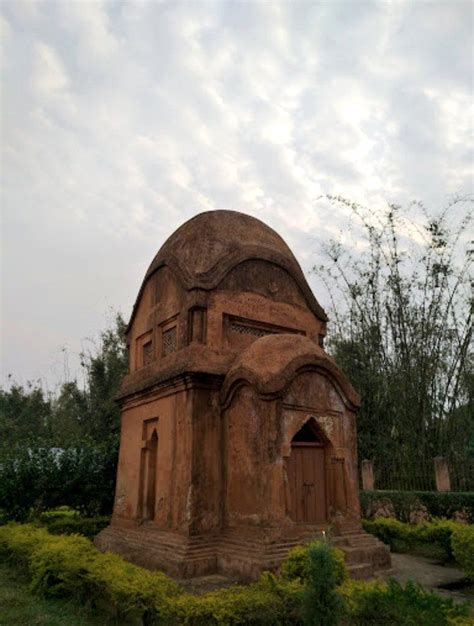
<point x="121" y="120"/>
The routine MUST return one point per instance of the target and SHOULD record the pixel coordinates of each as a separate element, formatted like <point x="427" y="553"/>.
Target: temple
<point x="238" y="433"/>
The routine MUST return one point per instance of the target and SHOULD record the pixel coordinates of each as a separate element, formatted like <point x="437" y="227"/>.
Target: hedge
<point x="39" y="477"/>
<point x="392" y="604"/>
<point x="402" y="537"/>
<point x="70" y="565"/>
<point x="66" y="521"/>
<point x="463" y="549"/>
<point x="437" y="504"/>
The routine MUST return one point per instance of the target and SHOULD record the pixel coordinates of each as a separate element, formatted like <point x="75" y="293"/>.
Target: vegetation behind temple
<point x="62" y="450"/>
<point x="401" y="329"/>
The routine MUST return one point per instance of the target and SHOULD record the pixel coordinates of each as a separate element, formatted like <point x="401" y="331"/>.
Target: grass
<point x="20" y="607"/>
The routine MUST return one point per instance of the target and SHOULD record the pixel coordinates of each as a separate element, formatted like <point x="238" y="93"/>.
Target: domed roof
<point x="203" y="241"/>
<point x="206" y="247"/>
<point x="270" y="362"/>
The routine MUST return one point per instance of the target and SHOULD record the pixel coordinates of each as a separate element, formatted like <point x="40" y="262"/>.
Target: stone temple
<point x="238" y="435"/>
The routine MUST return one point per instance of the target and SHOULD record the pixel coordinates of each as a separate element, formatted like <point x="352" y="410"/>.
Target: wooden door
<point x="307" y="483"/>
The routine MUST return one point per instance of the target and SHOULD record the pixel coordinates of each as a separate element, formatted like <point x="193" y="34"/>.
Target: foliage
<point x="322" y="605"/>
<point x="393" y="604"/>
<point x="24" y="414"/>
<point x="70" y="566"/>
<point x="402" y="310"/>
<point x="81" y="476"/>
<point x="19" y="607"/>
<point x="402" y="537"/>
<point x="297" y="563"/>
<point x="268" y="602"/>
<point x="105" y="367"/>
<point x="63" y="450"/>
<point x="462" y="542"/>
<point x="28" y="415"/>
<point x="404" y="503"/>
<point x="87" y="526"/>
<point x="64" y="565"/>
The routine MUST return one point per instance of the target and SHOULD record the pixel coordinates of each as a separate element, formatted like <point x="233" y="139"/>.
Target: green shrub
<point x="70" y="565"/>
<point x="268" y="602"/>
<point x="39" y="477"/>
<point x="438" y="504"/>
<point x="87" y="526"/>
<point x="462" y="542"/>
<point x="426" y="536"/>
<point x="392" y="604"/>
<point x="297" y="563"/>
<point x="322" y="605"/>
<point x="61" y="565"/>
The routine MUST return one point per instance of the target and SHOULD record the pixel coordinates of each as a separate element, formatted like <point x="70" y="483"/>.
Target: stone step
<point x="360" y="571"/>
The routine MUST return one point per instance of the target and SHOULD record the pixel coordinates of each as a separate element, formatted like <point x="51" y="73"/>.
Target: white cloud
<point x="49" y="75"/>
<point x="122" y="120"/>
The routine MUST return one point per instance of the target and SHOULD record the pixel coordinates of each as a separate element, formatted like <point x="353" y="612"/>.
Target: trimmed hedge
<point x="65" y="521"/>
<point x="437" y="504"/>
<point x="61" y="565"/>
<point x="393" y="604"/>
<point x="462" y="542"/>
<point x="403" y="537"/>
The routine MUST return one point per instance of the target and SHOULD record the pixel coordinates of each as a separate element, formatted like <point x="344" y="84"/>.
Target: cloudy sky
<point x="121" y="120"/>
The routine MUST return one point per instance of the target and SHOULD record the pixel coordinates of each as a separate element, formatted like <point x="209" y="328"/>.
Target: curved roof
<point x="205" y="248"/>
<point x="289" y="354"/>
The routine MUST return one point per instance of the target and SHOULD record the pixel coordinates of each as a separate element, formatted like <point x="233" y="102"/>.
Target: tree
<point x="402" y="312"/>
<point x="63" y="449"/>
<point x="25" y="414"/>
<point x="105" y="367"/>
<point x="28" y="413"/>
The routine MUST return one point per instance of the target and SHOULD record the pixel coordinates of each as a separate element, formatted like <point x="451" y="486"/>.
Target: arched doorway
<point x="307" y="476"/>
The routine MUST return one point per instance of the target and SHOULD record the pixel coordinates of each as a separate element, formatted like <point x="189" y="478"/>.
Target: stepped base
<point x="242" y="553"/>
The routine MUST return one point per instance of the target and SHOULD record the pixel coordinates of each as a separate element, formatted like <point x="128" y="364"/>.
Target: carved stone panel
<point x="241" y="332"/>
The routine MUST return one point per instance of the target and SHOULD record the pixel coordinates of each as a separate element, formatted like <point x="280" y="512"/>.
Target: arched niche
<point x="148" y="471"/>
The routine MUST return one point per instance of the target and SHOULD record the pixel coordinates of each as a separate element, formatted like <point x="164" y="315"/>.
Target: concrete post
<point x="367" y="475"/>
<point x="441" y="468"/>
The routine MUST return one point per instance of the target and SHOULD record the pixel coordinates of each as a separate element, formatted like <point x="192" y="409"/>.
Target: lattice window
<point x="243" y="329"/>
<point x="169" y="341"/>
<point x="147" y="353"/>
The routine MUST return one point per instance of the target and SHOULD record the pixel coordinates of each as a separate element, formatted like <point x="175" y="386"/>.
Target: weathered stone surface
<point x="238" y="436"/>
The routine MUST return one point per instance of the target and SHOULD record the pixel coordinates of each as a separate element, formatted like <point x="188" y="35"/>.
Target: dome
<point x="205" y="248"/>
<point x="203" y="241"/>
<point x="289" y="353"/>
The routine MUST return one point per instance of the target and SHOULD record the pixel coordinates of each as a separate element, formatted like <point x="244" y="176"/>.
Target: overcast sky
<point x="122" y="120"/>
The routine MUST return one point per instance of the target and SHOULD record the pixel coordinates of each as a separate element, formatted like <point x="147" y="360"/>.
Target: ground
<point x="432" y="575"/>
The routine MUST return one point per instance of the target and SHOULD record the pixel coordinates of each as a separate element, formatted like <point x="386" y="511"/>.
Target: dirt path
<point x="432" y="575"/>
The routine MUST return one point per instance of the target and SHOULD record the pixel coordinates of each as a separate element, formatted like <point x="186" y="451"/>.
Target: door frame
<point x="323" y="443"/>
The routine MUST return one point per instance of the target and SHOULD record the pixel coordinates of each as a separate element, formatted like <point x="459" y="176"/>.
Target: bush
<point x="71" y="565"/>
<point x="66" y="521"/>
<point x="87" y="526"/>
<point x="297" y="563"/>
<point x="81" y="476"/>
<point x="322" y="605"/>
<point x="462" y="542"/>
<point x="62" y="565"/>
<point x="437" y="504"/>
<point x="268" y="602"/>
<point x="427" y="536"/>
<point x="392" y="604"/>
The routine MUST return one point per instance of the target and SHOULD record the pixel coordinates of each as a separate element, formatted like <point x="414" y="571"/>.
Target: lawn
<point x="20" y="607"/>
